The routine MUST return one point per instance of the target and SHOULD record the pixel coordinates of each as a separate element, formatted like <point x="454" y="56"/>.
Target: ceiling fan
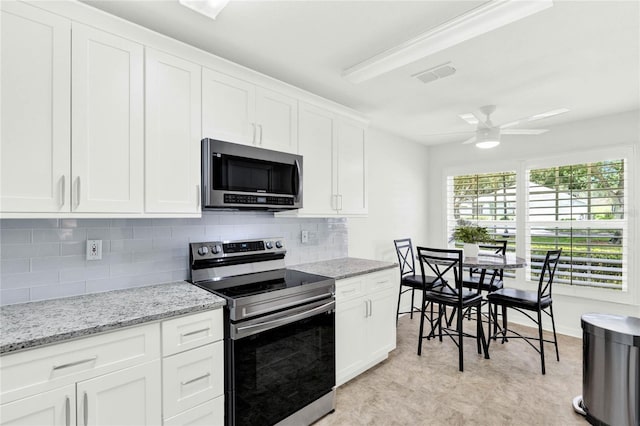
<point x="487" y="134"/>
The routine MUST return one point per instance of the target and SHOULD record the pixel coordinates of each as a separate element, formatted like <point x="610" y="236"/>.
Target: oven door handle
<point x="249" y="330"/>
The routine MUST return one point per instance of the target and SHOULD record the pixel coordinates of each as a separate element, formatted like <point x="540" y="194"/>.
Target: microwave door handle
<point x="297" y="182"/>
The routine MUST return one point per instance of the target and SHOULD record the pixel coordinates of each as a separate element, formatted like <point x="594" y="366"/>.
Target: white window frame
<point x="626" y="296"/>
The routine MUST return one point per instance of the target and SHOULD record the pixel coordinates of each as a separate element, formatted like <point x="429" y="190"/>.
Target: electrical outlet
<point x="305" y="237"/>
<point x="94" y="249"/>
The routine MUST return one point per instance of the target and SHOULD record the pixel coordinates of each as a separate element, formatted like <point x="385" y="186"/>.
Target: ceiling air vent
<point x="432" y="74"/>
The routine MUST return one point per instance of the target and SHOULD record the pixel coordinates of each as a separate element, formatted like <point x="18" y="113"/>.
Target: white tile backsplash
<point x="45" y="258"/>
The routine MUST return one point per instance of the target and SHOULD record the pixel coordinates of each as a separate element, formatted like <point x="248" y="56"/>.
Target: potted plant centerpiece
<point x="470" y="235"/>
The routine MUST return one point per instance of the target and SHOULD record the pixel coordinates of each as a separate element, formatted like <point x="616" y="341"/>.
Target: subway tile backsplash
<point x="45" y="258"/>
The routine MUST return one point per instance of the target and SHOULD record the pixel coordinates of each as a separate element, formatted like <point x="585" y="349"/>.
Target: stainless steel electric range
<point x="279" y="332"/>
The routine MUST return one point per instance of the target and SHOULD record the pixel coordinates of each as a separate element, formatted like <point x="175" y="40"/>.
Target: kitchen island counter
<point x="344" y="267"/>
<point x="29" y="325"/>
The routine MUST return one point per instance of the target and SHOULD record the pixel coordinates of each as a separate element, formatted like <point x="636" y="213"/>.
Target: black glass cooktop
<point x="261" y="282"/>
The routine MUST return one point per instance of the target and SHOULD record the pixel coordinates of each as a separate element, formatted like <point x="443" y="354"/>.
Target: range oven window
<point x="231" y="173"/>
<point x="279" y="371"/>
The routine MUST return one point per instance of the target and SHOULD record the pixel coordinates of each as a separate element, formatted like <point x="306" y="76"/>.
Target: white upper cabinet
<point x="352" y="168"/>
<point x="316" y="147"/>
<point x="172" y="147"/>
<point x="107" y="122"/>
<point x="277" y="121"/>
<point x="236" y="111"/>
<point x="36" y="78"/>
<point x="334" y="163"/>
<point x="228" y="108"/>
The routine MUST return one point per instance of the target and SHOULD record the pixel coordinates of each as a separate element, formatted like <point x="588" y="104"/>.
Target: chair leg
<point x="398" y="310"/>
<point x="504" y="323"/>
<point x="478" y="330"/>
<point x="541" y="341"/>
<point x="421" y="327"/>
<point x="413" y="291"/>
<point x="459" y="326"/>
<point x="555" y="339"/>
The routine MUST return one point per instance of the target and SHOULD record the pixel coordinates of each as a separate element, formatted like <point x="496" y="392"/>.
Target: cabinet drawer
<point x="382" y="280"/>
<point x="349" y="288"/>
<point x="191" y="378"/>
<point x="37" y="370"/>
<point x="211" y="413"/>
<point x="191" y="331"/>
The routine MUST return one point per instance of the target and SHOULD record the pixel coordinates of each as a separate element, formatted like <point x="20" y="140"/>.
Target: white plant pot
<point x="470" y="250"/>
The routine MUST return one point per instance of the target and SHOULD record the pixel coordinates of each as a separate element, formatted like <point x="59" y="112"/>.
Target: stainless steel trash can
<point x="611" y="369"/>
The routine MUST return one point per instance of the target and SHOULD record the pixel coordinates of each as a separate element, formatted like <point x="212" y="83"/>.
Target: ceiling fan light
<point x="208" y="8"/>
<point x="487" y="144"/>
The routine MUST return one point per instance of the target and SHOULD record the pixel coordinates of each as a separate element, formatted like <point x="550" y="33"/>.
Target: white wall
<point x="564" y="141"/>
<point x="398" y="189"/>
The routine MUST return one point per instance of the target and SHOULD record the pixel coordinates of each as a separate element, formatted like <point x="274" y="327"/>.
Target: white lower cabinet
<point x="121" y="377"/>
<point x="193" y="370"/>
<point x="365" y="322"/>
<point x="106" y="379"/>
<point x="125" y="397"/>
<point x="55" y="408"/>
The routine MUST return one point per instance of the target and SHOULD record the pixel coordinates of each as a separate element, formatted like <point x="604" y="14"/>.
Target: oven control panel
<point x="221" y="249"/>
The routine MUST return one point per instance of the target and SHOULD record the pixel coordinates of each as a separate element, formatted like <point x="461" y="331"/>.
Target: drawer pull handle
<point x="86" y="409"/>
<point x="382" y="282"/>
<point x="67" y="412"/>
<point x="188" y="382"/>
<point x="72" y="364"/>
<point x="191" y="333"/>
<point x="348" y="291"/>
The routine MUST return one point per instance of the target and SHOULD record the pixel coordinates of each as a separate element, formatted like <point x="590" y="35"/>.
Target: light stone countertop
<point x="344" y="267"/>
<point x="28" y="325"/>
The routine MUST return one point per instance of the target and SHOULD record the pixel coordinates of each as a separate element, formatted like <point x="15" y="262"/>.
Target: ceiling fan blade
<point x="470" y="140"/>
<point x="469" y="118"/>
<point x="523" y="131"/>
<point x="449" y="134"/>
<point x="481" y="120"/>
<point x="535" y="117"/>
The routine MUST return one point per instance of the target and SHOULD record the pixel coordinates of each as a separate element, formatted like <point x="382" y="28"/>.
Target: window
<point x="488" y="200"/>
<point x="581" y="209"/>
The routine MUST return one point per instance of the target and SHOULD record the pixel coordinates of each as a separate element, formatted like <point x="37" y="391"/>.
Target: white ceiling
<point x="582" y="55"/>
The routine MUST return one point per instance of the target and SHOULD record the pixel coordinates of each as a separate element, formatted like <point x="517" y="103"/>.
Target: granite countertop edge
<point x="34" y="333"/>
<point x="344" y="267"/>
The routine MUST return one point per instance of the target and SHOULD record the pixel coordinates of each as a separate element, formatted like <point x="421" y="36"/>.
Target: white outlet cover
<point x="94" y="249"/>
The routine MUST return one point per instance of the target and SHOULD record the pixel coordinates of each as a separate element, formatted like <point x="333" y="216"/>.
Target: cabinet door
<point x="228" y="108"/>
<point x="381" y="324"/>
<point x="53" y="408"/>
<point x="352" y="188"/>
<point x="350" y="344"/>
<point x="107" y="122"/>
<point x="36" y="77"/>
<point x="315" y="144"/>
<point x="277" y="121"/>
<point x="172" y="147"/>
<point x="126" y="397"/>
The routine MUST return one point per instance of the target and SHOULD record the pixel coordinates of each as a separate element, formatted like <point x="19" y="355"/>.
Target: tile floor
<point x="508" y="389"/>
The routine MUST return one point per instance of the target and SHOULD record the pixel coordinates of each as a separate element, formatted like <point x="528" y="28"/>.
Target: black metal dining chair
<point x="493" y="278"/>
<point x="447" y="291"/>
<point x="525" y="301"/>
<point x="409" y="281"/>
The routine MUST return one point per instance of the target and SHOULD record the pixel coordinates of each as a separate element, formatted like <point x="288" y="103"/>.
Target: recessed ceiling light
<point x="485" y="18"/>
<point x="209" y="8"/>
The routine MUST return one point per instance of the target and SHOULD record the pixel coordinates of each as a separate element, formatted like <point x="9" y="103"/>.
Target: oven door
<point x="281" y="363"/>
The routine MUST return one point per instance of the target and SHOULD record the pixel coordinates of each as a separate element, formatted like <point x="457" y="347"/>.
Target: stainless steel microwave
<point x="243" y="177"/>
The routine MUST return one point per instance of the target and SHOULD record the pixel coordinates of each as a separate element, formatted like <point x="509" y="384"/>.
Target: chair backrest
<point x="406" y="259"/>
<point x="495" y="247"/>
<point x="438" y="262"/>
<point x="547" y="273"/>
